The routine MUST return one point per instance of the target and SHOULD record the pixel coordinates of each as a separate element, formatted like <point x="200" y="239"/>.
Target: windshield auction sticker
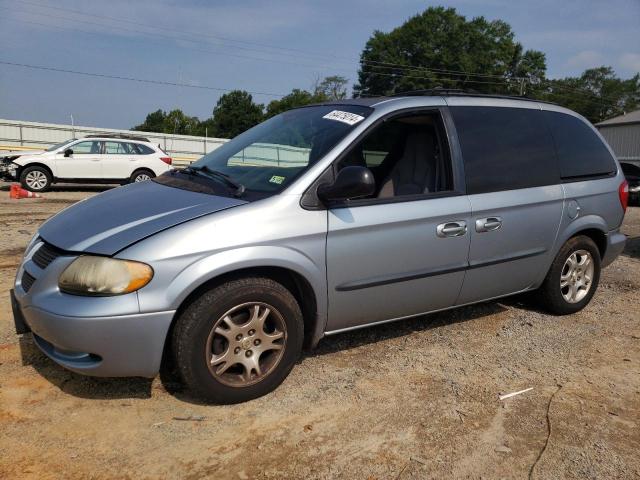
<point x="344" y="117"/>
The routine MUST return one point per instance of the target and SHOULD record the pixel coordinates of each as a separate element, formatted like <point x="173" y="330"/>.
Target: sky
<point x="267" y="47"/>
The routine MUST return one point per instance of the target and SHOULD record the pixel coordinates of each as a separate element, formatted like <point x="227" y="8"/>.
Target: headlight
<point x="102" y="276"/>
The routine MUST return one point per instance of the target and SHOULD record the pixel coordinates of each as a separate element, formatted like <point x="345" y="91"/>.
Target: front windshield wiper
<point x="239" y="188"/>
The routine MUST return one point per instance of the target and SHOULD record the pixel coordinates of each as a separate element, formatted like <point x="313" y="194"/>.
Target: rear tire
<point x="141" y="176"/>
<point x="36" y="179"/>
<point x="573" y="277"/>
<point x="239" y="340"/>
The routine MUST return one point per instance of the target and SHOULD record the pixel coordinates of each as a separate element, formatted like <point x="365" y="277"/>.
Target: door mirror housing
<point x="351" y="183"/>
<point x="68" y="152"/>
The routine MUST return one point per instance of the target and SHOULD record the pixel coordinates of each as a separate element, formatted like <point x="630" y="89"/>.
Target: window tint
<point x="85" y="148"/>
<point x="505" y="148"/>
<point x="117" y="148"/>
<point x="142" y="149"/>
<point x="580" y="152"/>
<point x="406" y="156"/>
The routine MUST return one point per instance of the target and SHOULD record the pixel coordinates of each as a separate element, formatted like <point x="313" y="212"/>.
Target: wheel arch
<point x="141" y="169"/>
<point x="22" y="168"/>
<point x="295" y="282"/>
<point x="591" y="226"/>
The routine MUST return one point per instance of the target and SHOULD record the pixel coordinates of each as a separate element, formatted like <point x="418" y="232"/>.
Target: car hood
<point x="13" y="154"/>
<point x="107" y="223"/>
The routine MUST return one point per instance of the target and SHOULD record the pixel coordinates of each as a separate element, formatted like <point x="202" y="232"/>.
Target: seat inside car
<point x="415" y="171"/>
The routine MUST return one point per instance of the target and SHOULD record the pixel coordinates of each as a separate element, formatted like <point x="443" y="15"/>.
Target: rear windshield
<point x="271" y="155"/>
<point x="580" y="151"/>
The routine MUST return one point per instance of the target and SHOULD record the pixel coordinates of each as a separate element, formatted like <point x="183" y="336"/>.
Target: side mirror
<point x="351" y="183"/>
<point x="68" y="152"/>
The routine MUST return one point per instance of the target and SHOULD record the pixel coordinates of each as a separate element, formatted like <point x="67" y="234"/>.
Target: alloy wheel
<point x="36" y="180"/>
<point x="246" y="344"/>
<point x="576" y="276"/>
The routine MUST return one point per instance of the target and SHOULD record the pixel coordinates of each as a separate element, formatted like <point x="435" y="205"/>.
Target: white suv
<point x="93" y="159"/>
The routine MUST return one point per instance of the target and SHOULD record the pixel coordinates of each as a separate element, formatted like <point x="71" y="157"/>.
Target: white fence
<point x="19" y="135"/>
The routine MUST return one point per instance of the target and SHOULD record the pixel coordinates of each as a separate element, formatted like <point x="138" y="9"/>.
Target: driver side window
<point x="408" y="155"/>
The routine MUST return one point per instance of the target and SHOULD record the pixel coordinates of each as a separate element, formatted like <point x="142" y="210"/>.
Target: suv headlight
<point x="103" y="276"/>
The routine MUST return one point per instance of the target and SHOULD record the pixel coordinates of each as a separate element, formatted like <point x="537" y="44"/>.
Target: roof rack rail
<point x="124" y="136"/>
<point x="455" y="92"/>
<point x="435" y="91"/>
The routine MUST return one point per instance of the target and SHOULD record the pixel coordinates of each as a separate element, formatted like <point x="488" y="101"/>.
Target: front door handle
<point x="488" y="224"/>
<point x="451" y="229"/>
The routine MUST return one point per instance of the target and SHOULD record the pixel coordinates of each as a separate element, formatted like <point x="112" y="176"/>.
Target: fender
<point x="228" y="261"/>
<point x="33" y="163"/>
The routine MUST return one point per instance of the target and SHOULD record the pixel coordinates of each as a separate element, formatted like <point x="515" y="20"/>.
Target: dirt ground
<point x="415" y="399"/>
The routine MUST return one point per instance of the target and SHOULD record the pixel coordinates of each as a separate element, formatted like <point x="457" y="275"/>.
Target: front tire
<point x="573" y="277"/>
<point x="238" y="341"/>
<point x="36" y="179"/>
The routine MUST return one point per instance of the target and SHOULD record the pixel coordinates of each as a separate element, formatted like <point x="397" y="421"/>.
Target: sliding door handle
<point x="451" y="229"/>
<point x="488" y="224"/>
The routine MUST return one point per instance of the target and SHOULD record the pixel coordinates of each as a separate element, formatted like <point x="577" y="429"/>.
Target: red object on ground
<point x="13" y="191"/>
<point x="17" y="192"/>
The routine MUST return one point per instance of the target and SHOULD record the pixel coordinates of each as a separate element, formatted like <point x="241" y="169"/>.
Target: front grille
<point x="27" y="281"/>
<point x="46" y="254"/>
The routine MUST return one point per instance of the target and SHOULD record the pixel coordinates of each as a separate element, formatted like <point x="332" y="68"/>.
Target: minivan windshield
<point x="269" y="156"/>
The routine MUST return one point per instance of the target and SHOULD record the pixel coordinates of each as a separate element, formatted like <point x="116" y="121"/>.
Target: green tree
<point x="173" y="122"/>
<point x="333" y="87"/>
<point x="597" y="94"/>
<point x="297" y="98"/>
<point x="153" y="123"/>
<point x="177" y="122"/>
<point x="439" y="48"/>
<point x="234" y="113"/>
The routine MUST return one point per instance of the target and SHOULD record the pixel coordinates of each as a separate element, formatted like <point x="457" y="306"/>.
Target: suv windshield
<point x="59" y="145"/>
<point x="268" y="157"/>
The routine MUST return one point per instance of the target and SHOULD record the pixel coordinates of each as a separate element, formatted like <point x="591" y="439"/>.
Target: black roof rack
<point x="455" y="92"/>
<point x="124" y="136"/>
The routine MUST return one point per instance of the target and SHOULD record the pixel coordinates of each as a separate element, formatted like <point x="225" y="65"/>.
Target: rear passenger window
<point x="580" y="152"/>
<point x="505" y="148"/>
<point x="116" y="148"/>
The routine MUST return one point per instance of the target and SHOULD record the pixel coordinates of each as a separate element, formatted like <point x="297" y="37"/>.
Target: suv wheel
<point x="141" y="176"/>
<point x="573" y="277"/>
<point x="35" y="179"/>
<point x="238" y="341"/>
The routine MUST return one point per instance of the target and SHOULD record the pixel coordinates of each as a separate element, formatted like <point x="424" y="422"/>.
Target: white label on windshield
<point x="344" y="117"/>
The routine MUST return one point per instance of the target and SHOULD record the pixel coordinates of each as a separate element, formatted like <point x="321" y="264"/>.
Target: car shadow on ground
<point x="632" y="248"/>
<point x="80" y="385"/>
<point x="139" y="388"/>
<point x="356" y="338"/>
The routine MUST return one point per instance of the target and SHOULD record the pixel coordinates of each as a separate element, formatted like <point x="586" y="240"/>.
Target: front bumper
<point x="8" y="172"/>
<point x="615" y="245"/>
<point x="118" y="346"/>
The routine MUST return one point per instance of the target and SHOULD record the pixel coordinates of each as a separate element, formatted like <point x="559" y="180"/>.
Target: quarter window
<point x="142" y="149"/>
<point x="505" y="148"/>
<point x="580" y="152"/>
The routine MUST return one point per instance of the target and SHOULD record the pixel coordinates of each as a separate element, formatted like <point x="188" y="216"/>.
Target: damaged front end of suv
<point x="9" y="169"/>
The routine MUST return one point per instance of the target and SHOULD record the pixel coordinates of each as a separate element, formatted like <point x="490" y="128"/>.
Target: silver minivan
<point x="321" y="220"/>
